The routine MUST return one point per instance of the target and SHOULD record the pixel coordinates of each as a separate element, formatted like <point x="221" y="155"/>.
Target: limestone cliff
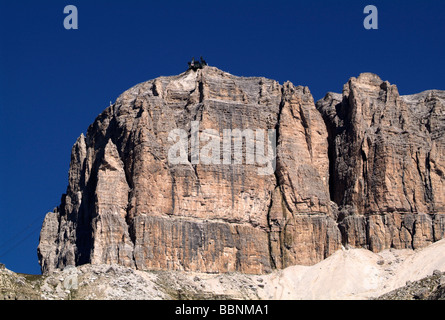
<point x="387" y="163"/>
<point x="365" y="169"/>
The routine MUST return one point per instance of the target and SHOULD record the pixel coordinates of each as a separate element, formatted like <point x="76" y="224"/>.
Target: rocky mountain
<point x="387" y="163"/>
<point x="392" y="274"/>
<point x="209" y="172"/>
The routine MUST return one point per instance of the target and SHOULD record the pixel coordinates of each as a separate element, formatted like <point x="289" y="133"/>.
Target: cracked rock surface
<point x="363" y="169"/>
<point x="346" y="274"/>
<point x="387" y="163"/>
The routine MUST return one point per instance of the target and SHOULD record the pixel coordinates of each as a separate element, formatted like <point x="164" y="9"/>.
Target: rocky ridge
<point x="362" y="169"/>
<point x="428" y="288"/>
<point x="387" y="163"/>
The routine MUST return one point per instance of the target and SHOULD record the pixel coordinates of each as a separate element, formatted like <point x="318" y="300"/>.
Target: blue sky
<point x="54" y="82"/>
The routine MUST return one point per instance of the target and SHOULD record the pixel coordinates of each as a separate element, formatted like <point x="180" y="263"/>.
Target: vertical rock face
<point x="302" y="228"/>
<point x="387" y="157"/>
<point x="112" y="242"/>
<point x="362" y="170"/>
<point x="127" y="203"/>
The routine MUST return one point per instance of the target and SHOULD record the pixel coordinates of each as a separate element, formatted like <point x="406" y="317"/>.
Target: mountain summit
<point x="365" y="168"/>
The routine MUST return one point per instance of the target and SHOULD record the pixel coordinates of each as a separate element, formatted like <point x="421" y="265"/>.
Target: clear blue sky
<point x="54" y="82"/>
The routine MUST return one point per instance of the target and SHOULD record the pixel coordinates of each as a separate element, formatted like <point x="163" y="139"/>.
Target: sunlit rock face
<point x="266" y="177"/>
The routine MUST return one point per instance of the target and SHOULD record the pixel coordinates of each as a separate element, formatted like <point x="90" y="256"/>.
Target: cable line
<point x="20" y="241"/>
